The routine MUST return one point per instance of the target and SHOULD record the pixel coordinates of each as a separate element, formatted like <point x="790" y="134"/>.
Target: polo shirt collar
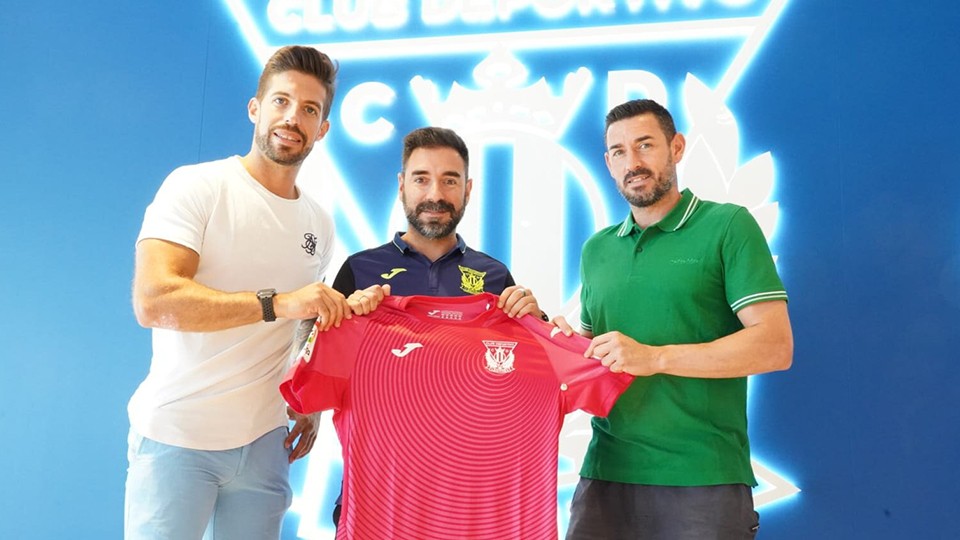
<point x="676" y="218"/>
<point x="405" y="247"/>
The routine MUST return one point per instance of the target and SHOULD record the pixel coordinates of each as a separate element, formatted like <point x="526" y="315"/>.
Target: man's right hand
<point x="316" y="300"/>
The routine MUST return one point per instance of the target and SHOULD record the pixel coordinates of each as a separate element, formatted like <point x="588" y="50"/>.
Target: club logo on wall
<point x="526" y="83"/>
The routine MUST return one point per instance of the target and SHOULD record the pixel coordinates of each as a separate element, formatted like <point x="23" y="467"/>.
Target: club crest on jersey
<point x="471" y="281"/>
<point x="499" y="356"/>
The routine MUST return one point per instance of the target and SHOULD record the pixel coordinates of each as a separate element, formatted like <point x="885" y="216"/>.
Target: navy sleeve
<point x="345" y="283"/>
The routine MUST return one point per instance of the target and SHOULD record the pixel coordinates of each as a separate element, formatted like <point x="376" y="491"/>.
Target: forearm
<point x="184" y="305"/>
<point x="747" y="352"/>
<point x="764" y="344"/>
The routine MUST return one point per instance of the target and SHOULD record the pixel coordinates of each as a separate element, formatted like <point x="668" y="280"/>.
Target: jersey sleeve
<point x="321" y="373"/>
<point x="585" y="383"/>
<point x="749" y="270"/>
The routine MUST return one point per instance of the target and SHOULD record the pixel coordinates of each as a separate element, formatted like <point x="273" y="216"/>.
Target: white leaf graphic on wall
<point x="710" y="166"/>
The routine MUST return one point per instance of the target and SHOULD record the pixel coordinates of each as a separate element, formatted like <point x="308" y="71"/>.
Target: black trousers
<point x="613" y="511"/>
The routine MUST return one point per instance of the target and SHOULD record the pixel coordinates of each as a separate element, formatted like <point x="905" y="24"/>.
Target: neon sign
<point x="526" y="83"/>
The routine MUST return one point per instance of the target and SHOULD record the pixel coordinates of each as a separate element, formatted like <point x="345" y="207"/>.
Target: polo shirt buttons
<point x="563" y="387"/>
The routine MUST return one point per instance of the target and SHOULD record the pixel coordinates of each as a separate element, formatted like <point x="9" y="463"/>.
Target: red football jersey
<point x="448" y="412"/>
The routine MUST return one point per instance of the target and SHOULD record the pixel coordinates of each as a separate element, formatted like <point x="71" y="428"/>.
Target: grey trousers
<point x="613" y="511"/>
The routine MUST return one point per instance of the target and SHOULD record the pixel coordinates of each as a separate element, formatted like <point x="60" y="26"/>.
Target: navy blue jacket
<point x="462" y="271"/>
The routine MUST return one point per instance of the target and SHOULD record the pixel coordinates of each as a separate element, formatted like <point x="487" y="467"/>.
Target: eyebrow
<point x="424" y="171"/>
<point x="307" y="102"/>
<point x="637" y="140"/>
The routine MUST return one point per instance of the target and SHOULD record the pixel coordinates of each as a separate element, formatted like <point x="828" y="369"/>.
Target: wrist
<point x="267" y="298"/>
<point x="662" y="359"/>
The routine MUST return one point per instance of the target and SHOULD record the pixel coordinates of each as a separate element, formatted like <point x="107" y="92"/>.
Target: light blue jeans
<point x="177" y="493"/>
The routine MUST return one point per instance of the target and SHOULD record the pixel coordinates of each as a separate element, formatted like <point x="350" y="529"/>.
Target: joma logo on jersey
<point x="407" y="349"/>
<point x="471" y="281"/>
<point x="445" y="314"/>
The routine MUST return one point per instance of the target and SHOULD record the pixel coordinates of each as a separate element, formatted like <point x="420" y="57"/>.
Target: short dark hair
<point x="306" y="60"/>
<point x="434" y="137"/>
<point x="638" y="107"/>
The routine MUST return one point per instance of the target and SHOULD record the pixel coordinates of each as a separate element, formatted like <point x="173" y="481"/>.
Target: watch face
<point x="266" y="293"/>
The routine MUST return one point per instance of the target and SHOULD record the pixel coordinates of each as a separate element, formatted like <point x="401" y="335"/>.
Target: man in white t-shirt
<point x="230" y="257"/>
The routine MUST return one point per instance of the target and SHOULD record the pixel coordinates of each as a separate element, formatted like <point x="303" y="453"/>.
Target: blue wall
<point x="856" y="101"/>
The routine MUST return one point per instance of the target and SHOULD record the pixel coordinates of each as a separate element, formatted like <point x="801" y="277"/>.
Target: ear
<point x="677" y="146"/>
<point x="399" y="183"/>
<point x="324" y="128"/>
<point x="466" y="193"/>
<point x="606" y="159"/>
<point x="253" y="110"/>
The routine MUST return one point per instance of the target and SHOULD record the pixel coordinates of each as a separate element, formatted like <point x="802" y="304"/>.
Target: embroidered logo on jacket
<point x="499" y="356"/>
<point x="471" y="281"/>
<point x="393" y="272"/>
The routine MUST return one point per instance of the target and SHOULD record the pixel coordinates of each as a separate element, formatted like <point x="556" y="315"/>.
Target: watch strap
<point x="266" y="304"/>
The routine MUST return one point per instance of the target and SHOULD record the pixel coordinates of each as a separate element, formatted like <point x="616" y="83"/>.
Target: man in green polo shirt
<point x="684" y="295"/>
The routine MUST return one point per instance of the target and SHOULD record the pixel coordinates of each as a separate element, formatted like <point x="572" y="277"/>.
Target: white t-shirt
<point x="218" y="390"/>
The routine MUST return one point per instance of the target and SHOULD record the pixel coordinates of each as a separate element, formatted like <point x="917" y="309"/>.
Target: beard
<point x="662" y="184"/>
<point x="282" y="156"/>
<point x="430" y="228"/>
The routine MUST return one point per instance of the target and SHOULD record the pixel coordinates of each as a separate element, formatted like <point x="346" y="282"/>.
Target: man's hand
<point x="305" y="428"/>
<point x="364" y="301"/>
<point x="517" y="301"/>
<point x="624" y="355"/>
<point x="316" y="300"/>
<point x="561" y="322"/>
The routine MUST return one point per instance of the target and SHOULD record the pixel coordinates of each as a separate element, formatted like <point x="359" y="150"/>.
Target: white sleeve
<point x="180" y="211"/>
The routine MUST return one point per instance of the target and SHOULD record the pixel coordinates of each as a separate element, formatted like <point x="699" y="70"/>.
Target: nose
<point x="634" y="159"/>
<point x="433" y="191"/>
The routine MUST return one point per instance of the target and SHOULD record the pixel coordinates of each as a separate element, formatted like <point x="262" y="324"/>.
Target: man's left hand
<point x="517" y="301"/>
<point x="305" y="429"/>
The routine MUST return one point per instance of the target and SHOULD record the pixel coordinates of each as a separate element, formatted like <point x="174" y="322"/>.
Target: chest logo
<point x="499" y="356"/>
<point x="407" y="349"/>
<point x="310" y="243"/>
<point x="393" y="272"/>
<point x="471" y="281"/>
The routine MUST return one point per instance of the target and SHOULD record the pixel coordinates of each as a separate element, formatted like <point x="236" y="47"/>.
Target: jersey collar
<point x="676" y="218"/>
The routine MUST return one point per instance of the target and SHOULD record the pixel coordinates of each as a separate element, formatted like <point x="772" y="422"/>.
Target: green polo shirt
<point x="679" y="281"/>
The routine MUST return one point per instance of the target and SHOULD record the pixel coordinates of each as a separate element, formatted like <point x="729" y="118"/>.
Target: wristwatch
<point x="266" y="303"/>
